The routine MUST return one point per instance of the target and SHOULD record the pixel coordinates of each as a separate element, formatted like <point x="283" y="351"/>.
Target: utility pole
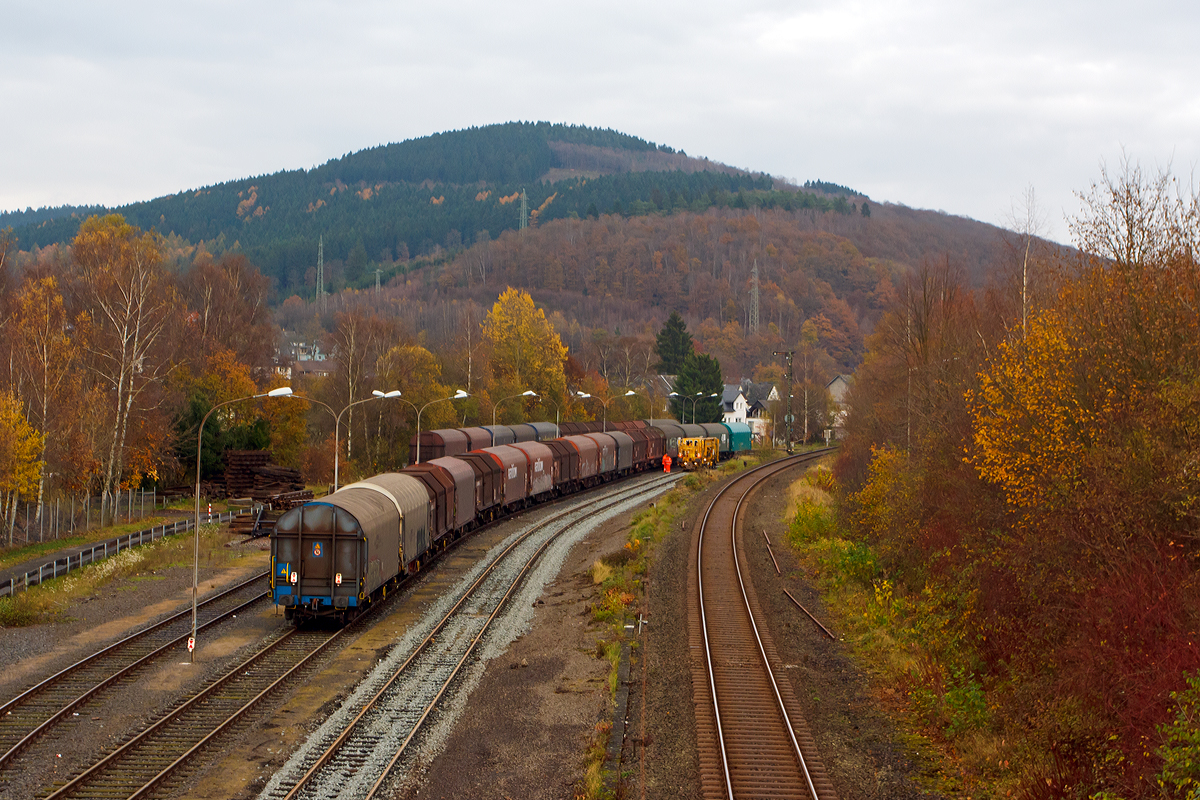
<point x="321" y="273"/>
<point x="754" y="298"/>
<point x="788" y="419"/>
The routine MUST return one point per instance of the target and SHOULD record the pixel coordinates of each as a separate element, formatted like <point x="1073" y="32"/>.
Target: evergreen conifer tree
<point x="699" y="379"/>
<point x="673" y="344"/>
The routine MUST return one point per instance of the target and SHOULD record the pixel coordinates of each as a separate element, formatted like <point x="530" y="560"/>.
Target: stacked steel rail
<point x="751" y="735"/>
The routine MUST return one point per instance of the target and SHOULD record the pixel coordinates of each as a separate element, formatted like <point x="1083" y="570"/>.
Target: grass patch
<point x="600" y="572"/>
<point x="52" y="599"/>
<point x="20" y="552"/>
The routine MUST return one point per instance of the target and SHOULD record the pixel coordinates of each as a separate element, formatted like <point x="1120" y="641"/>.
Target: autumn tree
<point x="358" y="337"/>
<point x="526" y="351"/>
<point x="1087" y="426"/>
<point x="20" y="466"/>
<point x="229" y="311"/>
<point x="132" y="306"/>
<point x="417" y="374"/>
<point x="47" y="346"/>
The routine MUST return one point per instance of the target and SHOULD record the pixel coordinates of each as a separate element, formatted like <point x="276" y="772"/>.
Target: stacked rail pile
<point x="249" y="473"/>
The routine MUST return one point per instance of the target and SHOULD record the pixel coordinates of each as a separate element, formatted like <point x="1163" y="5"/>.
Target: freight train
<point x="331" y="558"/>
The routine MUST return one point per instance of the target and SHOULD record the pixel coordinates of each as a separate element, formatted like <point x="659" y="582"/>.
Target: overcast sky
<point x="934" y="104"/>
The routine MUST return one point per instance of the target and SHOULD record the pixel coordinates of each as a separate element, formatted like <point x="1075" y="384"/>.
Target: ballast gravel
<point x="388" y="730"/>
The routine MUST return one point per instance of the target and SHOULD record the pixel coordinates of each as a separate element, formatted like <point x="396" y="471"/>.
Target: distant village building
<point x="749" y="402"/>
<point x="296" y="358"/>
<point x="838" y="389"/>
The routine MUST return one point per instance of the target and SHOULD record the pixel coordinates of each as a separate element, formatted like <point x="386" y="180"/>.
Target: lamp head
<point x="630" y="393"/>
<point x="529" y="393"/>
<point x="378" y="393"/>
<point x="393" y="393"/>
<point x="459" y="395"/>
<point x="282" y="391"/>
<point x="584" y="395"/>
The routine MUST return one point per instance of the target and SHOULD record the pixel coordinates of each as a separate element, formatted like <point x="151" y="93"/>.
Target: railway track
<point x="153" y="762"/>
<point x="354" y="755"/>
<point x="145" y="765"/>
<point x="752" y="738"/>
<point x="39" y="709"/>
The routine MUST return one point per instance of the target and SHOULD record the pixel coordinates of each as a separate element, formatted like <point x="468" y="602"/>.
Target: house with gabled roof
<point x="838" y="389"/>
<point x="749" y="402"/>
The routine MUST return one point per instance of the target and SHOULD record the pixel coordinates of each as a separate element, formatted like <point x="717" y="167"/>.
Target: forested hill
<point x="387" y="204"/>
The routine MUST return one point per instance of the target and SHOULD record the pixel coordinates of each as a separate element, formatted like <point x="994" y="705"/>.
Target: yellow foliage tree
<point x="20" y="462"/>
<point x="527" y="352"/>
<point x="224" y="379"/>
<point x="133" y="304"/>
<point x="1032" y="425"/>
<point x="417" y="374"/>
<point x="289" y="426"/>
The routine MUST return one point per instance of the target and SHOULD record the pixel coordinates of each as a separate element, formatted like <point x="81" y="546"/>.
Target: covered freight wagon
<point x="489" y="482"/>
<point x="541" y="467"/>
<point x="566" y="462"/>
<point x="514" y="468"/>
<point x="501" y="434"/>
<point x="545" y="430"/>
<point x="465" y="495"/>
<point x="438" y="444"/>
<point x="589" y="456"/>
<point x="625" y="448"/>
<point x="330" y="557"/>
<point x="479" y="438"/>
<point x="441" y="488"/>
<point x="608" y="451"/>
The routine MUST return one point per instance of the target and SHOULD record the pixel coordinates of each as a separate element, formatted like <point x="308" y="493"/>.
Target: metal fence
<point x="99" y="552"/>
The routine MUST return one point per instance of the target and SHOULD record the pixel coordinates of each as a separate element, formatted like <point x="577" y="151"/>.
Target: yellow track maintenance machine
<point x="697" y="451"/>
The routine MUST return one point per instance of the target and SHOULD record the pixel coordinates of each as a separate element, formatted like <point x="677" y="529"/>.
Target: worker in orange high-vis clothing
<point x="666" y="463"/>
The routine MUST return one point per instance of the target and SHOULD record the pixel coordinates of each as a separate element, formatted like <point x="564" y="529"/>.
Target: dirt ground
<point x="527" y="722"/>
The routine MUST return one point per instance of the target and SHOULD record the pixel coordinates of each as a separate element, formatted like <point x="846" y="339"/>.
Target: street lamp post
<point x="526" y="393"/>
<point x="283" y="391"/>
<point x="650" y="398"/>
<point x="685" y="398"/>
<point x="459" y="395"/>
<point x="337" y="425"/>
<point x="605" y="403"/>
<point x="694" y="400"/>
<point x="337" y="421"/>
<point x="556" y="431"/>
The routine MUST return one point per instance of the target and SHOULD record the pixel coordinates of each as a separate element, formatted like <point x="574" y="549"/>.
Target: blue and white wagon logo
<point x="316" y="549"/>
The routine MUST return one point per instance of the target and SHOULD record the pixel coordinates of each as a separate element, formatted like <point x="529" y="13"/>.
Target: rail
<point x="61" y="566"/>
